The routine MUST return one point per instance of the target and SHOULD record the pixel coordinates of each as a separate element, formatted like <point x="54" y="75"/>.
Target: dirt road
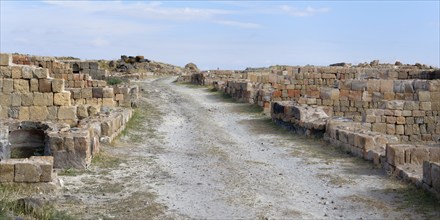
<point x="191" y="153"/>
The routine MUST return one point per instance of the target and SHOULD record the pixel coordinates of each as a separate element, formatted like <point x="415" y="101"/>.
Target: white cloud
<point x="309" y="11"/>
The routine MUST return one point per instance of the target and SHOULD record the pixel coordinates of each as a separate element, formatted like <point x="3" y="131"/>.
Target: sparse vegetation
<point x="105" y="160"/>
<point x="114" y="81"/>
<point x="16" y="203"/>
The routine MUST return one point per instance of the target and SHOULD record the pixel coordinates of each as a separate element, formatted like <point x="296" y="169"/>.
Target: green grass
<point x="114" y="81"/>
<point x="418" y="199"/>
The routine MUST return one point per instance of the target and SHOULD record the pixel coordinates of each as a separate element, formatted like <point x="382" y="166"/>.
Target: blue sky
<point x="226" y="34"/>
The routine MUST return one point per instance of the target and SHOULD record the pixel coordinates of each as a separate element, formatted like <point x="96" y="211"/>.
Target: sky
<point x="226" y="34"/>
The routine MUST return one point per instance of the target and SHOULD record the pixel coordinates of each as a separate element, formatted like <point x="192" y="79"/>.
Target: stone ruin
<point x="389" y="114"/>
<point x="54" y="114"/>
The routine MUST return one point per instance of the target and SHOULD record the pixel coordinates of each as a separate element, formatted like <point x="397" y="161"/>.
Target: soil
<point x="191" y="153"/>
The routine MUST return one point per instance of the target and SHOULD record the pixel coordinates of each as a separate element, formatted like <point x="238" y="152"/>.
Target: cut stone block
<point x="38" y="113"/>
<point x="27" y="172"/>
<point x="21" y="85"/>
<point x="7" y="171"/>
<point x="62" y="98"/>
<point x="58" y="85"/>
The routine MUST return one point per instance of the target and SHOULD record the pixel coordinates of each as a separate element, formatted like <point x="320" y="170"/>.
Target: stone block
<point x="15" y="99"/>
<point x="26" y="72"/>
<point x="27" y="172"/>
<point x="16" y="72"/>
<point x="400" y="120"/>
<point x="391" y="129"/>
<point x="418" y="155"/>
<point x="67" y="113"/>
<point x="5" y="100"/>
<point x="82" y="111"/>
<point x="62" y="98"/>
<point x="400" y="129"/>
<point x="424" y="96"/>
<point x="93" y="110"/>
<point x="411" y="105"/>
<point x="97" y="92"/>
<point x="391" y="120"/>
<point x="425" y="106"/>
<point x="395" y="155"/>
<point x="107" y="93"/>
<point x="38" y="113"/>
<point x="39" y="99"/>
<point x="34" y="85"/>
<point x="8" y="85"/>
<point x="21" y="85"/>
<point x="23" y="114"/>
<point x="120" y="97"/>
<point x="53" y="113"/>
<point x="44" y="85"/>
<point x="386" y="86"/>
<point x="48" y="99"/>
<point x="86" y="93"/>
<point x="109" y="102"/>
<point x="57" y="85"/>
<point x="427" y="173"/>
<point x="41" y="73"/>
<point x="379" y="127"/>
<point x="5" y="59"/>
<point x="359" y="85"/>
<point x="7" y="171"/>
<point x="27" y="99"/>
<point x="373" y="85"/>
<point x="46" y="165"/>
<point x="434" y="154"/>
<point x="435" y="176"/>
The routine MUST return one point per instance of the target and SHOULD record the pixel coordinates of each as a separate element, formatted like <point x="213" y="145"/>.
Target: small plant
<point x="114" y="81"/>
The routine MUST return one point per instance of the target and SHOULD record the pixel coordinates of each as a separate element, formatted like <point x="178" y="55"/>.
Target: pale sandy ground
<point x="196" y="155"/>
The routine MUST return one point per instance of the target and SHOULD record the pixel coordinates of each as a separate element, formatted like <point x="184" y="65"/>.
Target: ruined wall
<point x="27" y="93"/>
<point x="403" y="101"/>
<point x="29" y="170"/>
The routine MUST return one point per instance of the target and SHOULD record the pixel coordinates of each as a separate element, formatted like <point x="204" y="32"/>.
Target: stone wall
<point x="28" y="170"/>
<point x="27" y="93"/>
<point x="395" y="100"/>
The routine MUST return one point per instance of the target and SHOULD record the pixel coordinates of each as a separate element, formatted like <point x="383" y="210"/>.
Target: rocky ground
<point x="190" y="153"/>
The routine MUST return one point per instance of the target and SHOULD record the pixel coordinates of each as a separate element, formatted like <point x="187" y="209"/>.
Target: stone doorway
<point x="28" y="139"/>
<point x="75" y="68"/>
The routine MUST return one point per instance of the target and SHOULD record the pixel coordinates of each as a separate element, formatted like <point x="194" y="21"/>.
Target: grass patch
<point x="248" y="108"/>
<point x="16" y="203"/>
<point x="421" y="201"/>
<point x="105" y="160"/>
<point x="114" y="81"/>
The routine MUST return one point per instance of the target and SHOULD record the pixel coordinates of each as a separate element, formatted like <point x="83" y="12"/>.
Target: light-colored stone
<point x="34" y="85"/>
<point x="27" y="72"/>
<point x="24" y="113"/>
<point x="27" y="172"/>
<point x="41" y="73"/>
<point x="27" y="99"/>
<point x="5" y="59"/>
<point x="16" y="72"/>
<point x="67" y="113"/>
<point x="39" y="99"/>
<point x="57" y="85"/>
<point x="7" y="171"/>
<point x="38" y="113"/>
<point x="15" y="99"/>
<point x="8" y="85"/>
<point x="62" y="98"/>
<point x="21" y="85"/>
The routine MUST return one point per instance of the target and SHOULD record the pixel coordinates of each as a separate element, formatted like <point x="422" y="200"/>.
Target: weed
<point x="113" y="81"/>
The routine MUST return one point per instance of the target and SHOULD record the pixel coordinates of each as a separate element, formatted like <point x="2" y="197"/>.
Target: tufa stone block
<point x="27" y="172"/>
<point x="7" y="171"/>
<point x="38" y="113"/>
<point x="21" y="85"/>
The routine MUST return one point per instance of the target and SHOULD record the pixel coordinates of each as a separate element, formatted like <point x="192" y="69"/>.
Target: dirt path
<point x="191" y="153"/>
